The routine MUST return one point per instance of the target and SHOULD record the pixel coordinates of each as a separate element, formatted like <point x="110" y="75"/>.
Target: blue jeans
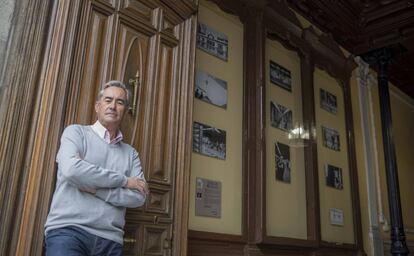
<point x="74" y="241"/>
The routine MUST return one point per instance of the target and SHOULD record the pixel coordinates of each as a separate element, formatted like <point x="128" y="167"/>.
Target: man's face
<point x="111" y="107"/>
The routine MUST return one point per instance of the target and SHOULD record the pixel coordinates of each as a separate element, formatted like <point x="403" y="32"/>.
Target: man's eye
<point x="107" y="100"/>
<point x="121" y="102"/>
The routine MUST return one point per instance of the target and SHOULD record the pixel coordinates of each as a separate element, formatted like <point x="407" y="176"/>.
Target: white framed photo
<point x="212" y="41"/>
<point x="280" y="76"/>
<point x="330" y="138"/>
<point x="283" y="166"/>
<point x="280" y="117"/>
<point x="333" y="176"/>
<point x="209" y="141"/>
<point x="211" y="89"/>
<point x="328" y="101"/>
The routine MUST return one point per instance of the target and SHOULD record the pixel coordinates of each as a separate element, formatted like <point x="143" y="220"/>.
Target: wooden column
<point x="254" y="107"/>
<point x="382" y="58"/>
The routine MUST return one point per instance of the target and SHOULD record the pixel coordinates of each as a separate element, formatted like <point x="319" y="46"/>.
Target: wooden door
<point x="149" y="47"/>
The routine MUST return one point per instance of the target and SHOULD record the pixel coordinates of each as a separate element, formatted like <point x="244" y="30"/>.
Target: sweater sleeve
<point x="79" y="172"/>
<point x="122" y="196"/>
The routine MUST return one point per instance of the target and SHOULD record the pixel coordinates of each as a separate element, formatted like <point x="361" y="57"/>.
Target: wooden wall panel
<point x="93" y="53"/>
<point x="161" y="165"/>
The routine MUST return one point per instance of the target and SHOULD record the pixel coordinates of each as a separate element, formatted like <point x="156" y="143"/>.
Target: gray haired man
<point x="98" y="177"/>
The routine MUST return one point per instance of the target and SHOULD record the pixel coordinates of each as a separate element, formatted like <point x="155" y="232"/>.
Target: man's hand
<point x="137" y="184"/>
<point x="88" y="190"/>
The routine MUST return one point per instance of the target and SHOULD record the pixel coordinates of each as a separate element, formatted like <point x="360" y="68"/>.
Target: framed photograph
<point x="280" y="76"/>
<point x="212" y="41"/>
<point x="282" y="155"/>
<point x="328" y="101"/>
<point x="333" y="176"/>
<point x="330" y="138"/>
<point x="280" y="117"/>
<point x="209" y="141"/>
<point x="211" y="89"/>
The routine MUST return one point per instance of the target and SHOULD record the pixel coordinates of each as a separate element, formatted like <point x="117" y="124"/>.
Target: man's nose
<point x="112" y="105"/>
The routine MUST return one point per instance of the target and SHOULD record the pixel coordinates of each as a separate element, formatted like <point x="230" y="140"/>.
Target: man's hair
<point x="118" y="84"/>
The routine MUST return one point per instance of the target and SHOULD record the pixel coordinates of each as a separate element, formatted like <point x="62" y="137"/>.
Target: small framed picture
<point x="280" y="76"/>
<point x="209" y="141"/>
<point x="211" y="89"/>
<point x="282" y="156"/>
<point x="333" y="176"/>
<point x="336" y="216"/>
<point x="212" y="41"/>
<point x="330" y="138"/>
<point x="328" y="101"/>
<point x="280" y="117"/>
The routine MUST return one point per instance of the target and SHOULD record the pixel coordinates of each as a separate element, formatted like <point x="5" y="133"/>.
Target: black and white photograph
<point x="211" y="89"/>
<point x="282" y="154"/>
<point x="280" y="117"/>
<point x="209" y="141"/>
<point x="212" y="41"/>
<point x="280" y="76"/>
<point x="328" y="101"/>
<point x="333" y="176"/>
<point x="330" y="138"/>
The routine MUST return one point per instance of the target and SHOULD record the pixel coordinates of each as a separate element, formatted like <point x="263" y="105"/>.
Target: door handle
<point x="129" y="240"/>
<point x="134" y="83"/>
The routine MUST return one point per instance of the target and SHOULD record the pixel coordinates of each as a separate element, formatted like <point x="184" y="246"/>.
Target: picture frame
<point x="211" y="89"/>
<point x="209" y="141"/>
<point x="328" y="101"/>
<point x="333" y="177"/>
<point x="282" y="161"/>
<point x="212" y="41"/>
<point x="280" y="76"/>
<point x="330" y="138"/>
<point x="280" y="117"/>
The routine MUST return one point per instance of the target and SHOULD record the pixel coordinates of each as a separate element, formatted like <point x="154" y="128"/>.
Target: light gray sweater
<point x="86" y="161"/>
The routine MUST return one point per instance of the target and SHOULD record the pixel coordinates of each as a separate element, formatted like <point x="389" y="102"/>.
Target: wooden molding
<point x="182" y="180"/>
<point x="19" y="114"/>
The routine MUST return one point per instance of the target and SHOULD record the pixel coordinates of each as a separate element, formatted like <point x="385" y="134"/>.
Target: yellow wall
<point x="228" y="171"/>
<point x="402" y="110"/>
<point x="331" y="197"/>
<point x="403" y="129"/>
<point x="285" y="202"/>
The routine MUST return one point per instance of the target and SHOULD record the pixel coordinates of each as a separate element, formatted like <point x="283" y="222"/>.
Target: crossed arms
<point x="112" y="186"/>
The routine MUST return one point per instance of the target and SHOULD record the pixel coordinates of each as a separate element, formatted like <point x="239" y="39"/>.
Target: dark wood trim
<point x="211" y="236"/>
<point x="311" y="154"/>
<point x="353" y="173"/>
<point x="339" y="245"/>
<point x="254" y="41"/>
<point x="182" y="179"/>
<point x="287" y="242"/>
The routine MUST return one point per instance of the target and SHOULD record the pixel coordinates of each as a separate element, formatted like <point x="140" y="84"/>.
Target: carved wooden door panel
<point x="141" y="44"/>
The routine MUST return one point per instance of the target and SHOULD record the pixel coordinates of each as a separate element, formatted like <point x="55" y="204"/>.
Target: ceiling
<point x="363" y="25"/>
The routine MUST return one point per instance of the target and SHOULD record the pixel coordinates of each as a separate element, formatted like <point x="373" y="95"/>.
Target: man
<point x="98" y="177"/>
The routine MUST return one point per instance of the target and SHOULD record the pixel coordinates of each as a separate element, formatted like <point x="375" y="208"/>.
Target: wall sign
<point x="208" y="198"/>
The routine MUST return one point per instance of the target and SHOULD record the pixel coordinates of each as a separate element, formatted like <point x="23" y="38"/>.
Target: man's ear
<point x="96" y="106"/>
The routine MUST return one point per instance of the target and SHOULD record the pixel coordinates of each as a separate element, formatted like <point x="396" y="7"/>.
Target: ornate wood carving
<point x="19" y="114"/>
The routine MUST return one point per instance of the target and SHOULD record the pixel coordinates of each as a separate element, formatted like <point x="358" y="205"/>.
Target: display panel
<point x="334" y="181"/>
<point x="218" y="119"/>
<point x="286" y="211"/>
